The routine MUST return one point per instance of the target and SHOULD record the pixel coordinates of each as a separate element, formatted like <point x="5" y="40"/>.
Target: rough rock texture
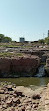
<point x="19" y="65"/>
<point x="44" y="102"/>
<point x="38" y="53"/>
<point x="5" y="65"/>
<point x="47" y="67"/>
<point x="44" y="57"/>
<point x="33" y="100"/>
<point x="22" y="101"/>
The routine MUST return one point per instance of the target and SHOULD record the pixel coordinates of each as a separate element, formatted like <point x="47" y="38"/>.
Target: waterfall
<point x="41" y="71"/>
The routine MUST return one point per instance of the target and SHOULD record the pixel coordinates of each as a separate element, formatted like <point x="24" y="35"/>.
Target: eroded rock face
<point x="25" y="64"/>
<point x="5" y="65"/>
<point x="47" y="67"/>
<point x="19" y="65"/>
<point x="38" y="53"/>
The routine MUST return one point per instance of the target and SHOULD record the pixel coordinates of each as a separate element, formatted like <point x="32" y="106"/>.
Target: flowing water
<point x="41" y="72"/>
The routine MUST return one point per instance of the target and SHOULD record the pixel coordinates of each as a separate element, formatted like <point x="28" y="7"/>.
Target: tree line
<point x="4" y="38"/>
<point x="46" y="40"/>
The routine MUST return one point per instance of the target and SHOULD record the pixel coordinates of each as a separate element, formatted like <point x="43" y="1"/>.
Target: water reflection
<point x="42" y="81"/>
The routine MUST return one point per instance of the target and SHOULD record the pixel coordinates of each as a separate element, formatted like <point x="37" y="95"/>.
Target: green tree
<point x="47" y="40"/>
<point x="1" y="37"/>
<point x="7" y="39"/>
<point x="41" y="41"/>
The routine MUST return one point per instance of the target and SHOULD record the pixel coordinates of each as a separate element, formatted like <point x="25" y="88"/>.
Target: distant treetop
<point x="4" y="38"/>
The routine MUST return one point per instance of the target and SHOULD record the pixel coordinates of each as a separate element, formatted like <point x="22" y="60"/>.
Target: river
<point x="38" y="80"/>
<point x="27" y="81"/>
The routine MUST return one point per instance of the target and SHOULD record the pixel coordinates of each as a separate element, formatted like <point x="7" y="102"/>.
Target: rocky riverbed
<point x="20" y="98"/>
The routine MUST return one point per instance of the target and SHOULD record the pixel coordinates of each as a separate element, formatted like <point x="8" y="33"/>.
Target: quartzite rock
<point x="21" y="65"/>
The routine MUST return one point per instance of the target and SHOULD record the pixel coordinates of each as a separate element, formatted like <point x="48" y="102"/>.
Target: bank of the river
<point x="20" y="98"/>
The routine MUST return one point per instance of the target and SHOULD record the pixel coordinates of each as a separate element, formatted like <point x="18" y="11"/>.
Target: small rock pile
<point x="13" y="100"/>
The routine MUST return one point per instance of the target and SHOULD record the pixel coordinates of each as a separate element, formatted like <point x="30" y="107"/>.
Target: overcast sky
<point x="24" y="18"/>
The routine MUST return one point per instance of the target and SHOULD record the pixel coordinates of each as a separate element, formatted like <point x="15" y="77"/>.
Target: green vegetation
<point x="10" y="54"/>
<point x="8" y="43"/>
<point x="19" y="54"/>
<point x="47" y="40"/>
<point x="43" y="63"/>
<point x="22" y="81"/>
<point x="27" y="81"/>
<point x="6" y="54"/>
<point x="5" y="39"/>
<point x="41" y="41"/>
<point x="1" y="37"/>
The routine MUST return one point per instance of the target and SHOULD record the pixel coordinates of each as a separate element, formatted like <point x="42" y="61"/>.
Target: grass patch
<point x="43" y="63"/>
<point x="9" y="54"/>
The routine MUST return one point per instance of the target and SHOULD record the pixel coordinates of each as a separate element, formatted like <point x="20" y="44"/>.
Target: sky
<point x="24" y="18"/>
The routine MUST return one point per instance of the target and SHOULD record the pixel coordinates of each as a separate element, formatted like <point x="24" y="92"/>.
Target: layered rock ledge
<point x="47" y="67"/>
<point x="19" y="66"/>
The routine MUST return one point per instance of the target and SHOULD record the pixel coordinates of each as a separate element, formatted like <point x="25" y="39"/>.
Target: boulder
<point x="9" y="87"/>
<point x="9" y="102"/>
<point x="1" y="91"/>
<point x="28" y="108"/>
<point x="17" y="101"/>
<point x="18" y="93"/>
<point x="12" y="109"/>
<point x="35" y="106"/>
<point x="36" y="96"/>
<point x="23" y="109"/>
